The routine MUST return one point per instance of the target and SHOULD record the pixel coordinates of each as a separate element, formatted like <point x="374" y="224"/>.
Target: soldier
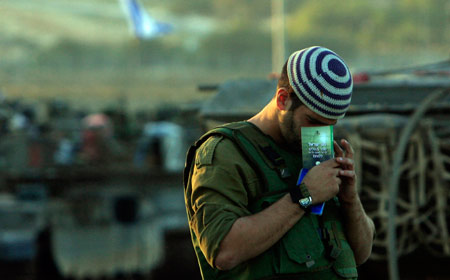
<point x="249" y="219"/>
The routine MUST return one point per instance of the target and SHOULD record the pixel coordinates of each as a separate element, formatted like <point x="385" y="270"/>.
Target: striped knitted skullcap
<point x="321" y="80"/>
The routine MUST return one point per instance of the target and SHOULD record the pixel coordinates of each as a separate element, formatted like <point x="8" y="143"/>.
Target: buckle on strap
<point x="285" y="173"/>
<point x="278" y="162"/>
<point x="335" y="252"/>
<point x="332" y="250"/>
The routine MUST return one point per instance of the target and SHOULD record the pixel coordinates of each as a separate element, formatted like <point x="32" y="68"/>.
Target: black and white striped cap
<point x="321" y="80"/>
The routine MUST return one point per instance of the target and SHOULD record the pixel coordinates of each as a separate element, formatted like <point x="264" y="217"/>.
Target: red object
<point x="361" y="77"/>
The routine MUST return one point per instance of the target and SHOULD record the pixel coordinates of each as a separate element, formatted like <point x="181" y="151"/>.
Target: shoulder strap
<point x="229" y="131"/>
<point x="249" y="140"/>
<point x="270" y="156"/>
<point x="190" y="155"/>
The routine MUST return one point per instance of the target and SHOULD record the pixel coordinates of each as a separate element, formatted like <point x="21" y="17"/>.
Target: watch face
<point x="305" y="202"/>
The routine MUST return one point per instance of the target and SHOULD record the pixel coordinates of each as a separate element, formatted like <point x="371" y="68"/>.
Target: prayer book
<point x="317" y="147"/>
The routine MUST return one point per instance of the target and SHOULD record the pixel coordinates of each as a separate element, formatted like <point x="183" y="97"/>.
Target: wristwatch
<point x="300" y="195"/>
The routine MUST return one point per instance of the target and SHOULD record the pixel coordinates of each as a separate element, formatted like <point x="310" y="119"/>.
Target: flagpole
<point x="278" y="36"/>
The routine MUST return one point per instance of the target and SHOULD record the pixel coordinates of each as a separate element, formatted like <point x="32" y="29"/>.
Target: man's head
<point x="319" y="79"/>
<point x="283" y="82"/>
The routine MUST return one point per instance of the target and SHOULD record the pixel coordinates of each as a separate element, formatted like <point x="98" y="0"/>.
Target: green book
<point x="317" y="147"/>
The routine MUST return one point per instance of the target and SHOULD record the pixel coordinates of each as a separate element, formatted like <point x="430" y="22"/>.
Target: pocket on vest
<point x="303" y="246"/>
<point x="345" y="265"/>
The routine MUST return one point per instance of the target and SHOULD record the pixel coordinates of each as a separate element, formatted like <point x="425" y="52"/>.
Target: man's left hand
<point x="344" y="156"/>
<point x="360" y="228"/>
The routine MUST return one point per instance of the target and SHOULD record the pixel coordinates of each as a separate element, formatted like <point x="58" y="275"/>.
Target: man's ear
<point x="282" y="98"/>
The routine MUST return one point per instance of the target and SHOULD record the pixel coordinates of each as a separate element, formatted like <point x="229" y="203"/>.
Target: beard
<point x="291" y="132"/>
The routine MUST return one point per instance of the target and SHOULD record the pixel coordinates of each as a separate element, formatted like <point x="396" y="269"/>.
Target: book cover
<point x="317" y="147"/>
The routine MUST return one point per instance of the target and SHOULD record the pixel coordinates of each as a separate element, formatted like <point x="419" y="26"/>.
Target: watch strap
<point x="304" y="190"/>
<point x="299" y="192"/>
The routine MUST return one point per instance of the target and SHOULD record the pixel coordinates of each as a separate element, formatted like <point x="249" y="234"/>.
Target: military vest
<point x="314" y="248"/>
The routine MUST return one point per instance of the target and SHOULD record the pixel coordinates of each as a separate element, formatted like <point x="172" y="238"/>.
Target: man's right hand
<point x="323" y="181"/>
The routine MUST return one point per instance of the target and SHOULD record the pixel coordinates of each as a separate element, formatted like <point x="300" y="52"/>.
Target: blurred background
<point x="100" y="99"/>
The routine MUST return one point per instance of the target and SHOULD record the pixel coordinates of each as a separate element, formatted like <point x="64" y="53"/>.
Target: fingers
<point x="348" y="148"/>
<point x="347" y="173"/>
<point x="338" y="152"/>
<point x="346" y="163"/>
<point x="330" y="163"/>
<point x="323" y="181"/>
<point x="345" y="158"/>
<point x="341" y="162"/>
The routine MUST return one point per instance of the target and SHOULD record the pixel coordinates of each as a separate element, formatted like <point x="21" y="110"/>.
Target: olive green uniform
<point x="237" y="171"/>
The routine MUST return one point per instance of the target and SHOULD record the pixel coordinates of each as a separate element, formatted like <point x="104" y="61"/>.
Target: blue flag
<point x="141" y="23"/>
